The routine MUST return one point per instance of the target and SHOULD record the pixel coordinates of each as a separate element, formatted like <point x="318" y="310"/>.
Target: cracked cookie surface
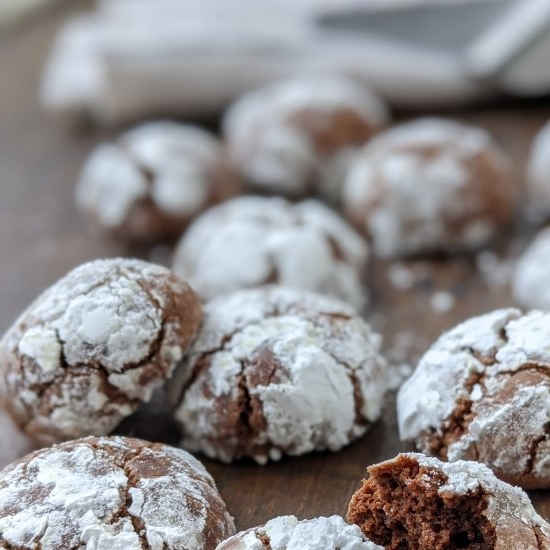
<point x="296" y="137"/>
<point x="110" y="492"/>
<point x="252" y="241"/>
<point x="154" y="179"/>
<point x="429" y="186"/>
<point x="278" y="371"/>
<point x="94" y="346"/>
<point x="288" y="533"/>
<point x="482" y="392"/>
<point x="421" y="503"/>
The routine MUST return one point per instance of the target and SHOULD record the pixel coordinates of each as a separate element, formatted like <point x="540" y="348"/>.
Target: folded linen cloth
<point x="131" y="59"/>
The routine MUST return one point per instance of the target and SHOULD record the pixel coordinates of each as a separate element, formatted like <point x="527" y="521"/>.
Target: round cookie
<point x="429" y="186"/>
<point x="287" y="533"/>
<point x="538" y="175"/>
<point x="94" y="346"/>
<point x="279" y="371"/>
<point x="251" y="241"/>
<point x="297" y="136"/>
<point x="530" y="285"/>
<point x="482" y="392"/>
<point x="420" y="503"/>
<point x="111" y="492"/>
<point x="154" y="179"/>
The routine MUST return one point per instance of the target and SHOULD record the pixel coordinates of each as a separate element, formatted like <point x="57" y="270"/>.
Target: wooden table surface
<point x="42" y="236"/>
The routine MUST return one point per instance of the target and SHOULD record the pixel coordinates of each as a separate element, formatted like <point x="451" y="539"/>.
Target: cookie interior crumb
<point x="400" y="506"/>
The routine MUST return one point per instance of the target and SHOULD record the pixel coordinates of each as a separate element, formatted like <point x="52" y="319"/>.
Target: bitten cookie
<point x="532" y="274"/>
<point x="538" y="175"/>
<point x="278" y="371"/>
<point x="154" y="179"/>
<point x="252" y="241"/>
<point x="482" y="392"/>
<point x="297" y="137"/>
<point x="428" y="186"/>
<point x="117" y="493"/>
<point x="420" y="503"/>
<point x="94" y="346"/>
<point x="287" y="533"/>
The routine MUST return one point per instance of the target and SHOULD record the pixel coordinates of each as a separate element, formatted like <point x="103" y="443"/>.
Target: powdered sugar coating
<point x="530" y="280"/>
<point x="482" y="392"/>
<point x="117" y="493"/>
<point x="430" y="185"/>
<point x="538" y="175"/>
<point x="298" y="136"/>
<point x="94" y="346"/>
<point x="288" y="533"/>
<point x="251" y="241"/>
<point x="154" y="179"/>
<point x="278" y="371"/>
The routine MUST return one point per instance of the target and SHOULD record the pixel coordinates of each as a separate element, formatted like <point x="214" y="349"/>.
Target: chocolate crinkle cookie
<point x="94" y="346"/>
<point x="150" y="182"/>
<point x="278" y="371"/>
<point x="430" y="186"/>
<point x="538" y="176"/>
<point x="420" y="503"/>
<point x="532" y="272"/>
<point x="298" y="136"/>
<point x="287" y="533"/>
<point x="110" y="492"/>
<point x="482" y="392"/>
<point x="252" y="241"/>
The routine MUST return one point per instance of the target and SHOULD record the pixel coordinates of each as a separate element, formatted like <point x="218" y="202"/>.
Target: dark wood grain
<point x="42" y="237"/>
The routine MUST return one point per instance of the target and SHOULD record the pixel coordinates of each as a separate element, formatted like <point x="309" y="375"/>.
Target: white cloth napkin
<point x="136" y="58"/>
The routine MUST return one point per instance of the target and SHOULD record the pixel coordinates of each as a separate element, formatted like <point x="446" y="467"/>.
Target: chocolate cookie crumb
<point x="420" y="503"/>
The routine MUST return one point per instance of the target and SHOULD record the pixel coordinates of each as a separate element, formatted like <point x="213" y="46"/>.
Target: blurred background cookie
<point x="251" y="241"/>
<point x="431" y="185"/>
<point x="532" y="273"/>
<point x="277" y="371"/>
<point x="154" y="179"/>
<point x="538" y="176"/>
<point x="297" y="137"/>
<point x="94" y="346"/>
<point x="111" y="493"/>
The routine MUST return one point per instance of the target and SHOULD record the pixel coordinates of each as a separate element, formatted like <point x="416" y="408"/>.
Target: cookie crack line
<point x="98" y="366"/>
<point x="460" y="419"/>
<point x="539" y="538"/>
<point x="274" y="312"/>
<point x="360" y="418"/>
<point x="491" y="359"/>
<point x="533" y="447"/>
<point x="244" y="394"/>
<point x="137" y="524"/>
<point x="123" y="512"/>
<point x="148" y="174"/>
